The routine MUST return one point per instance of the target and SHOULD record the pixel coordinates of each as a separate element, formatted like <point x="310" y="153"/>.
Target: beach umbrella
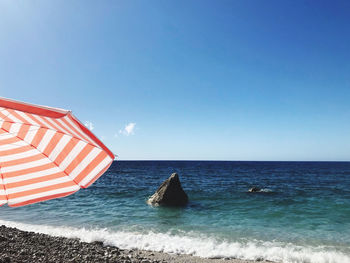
<point x="46" y="153"/>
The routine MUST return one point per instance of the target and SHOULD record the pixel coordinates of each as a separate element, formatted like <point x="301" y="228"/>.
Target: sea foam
<point x="189" y="244"/>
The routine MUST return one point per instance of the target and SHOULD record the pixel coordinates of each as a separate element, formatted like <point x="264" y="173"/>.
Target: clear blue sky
<point x="217" y="80"/>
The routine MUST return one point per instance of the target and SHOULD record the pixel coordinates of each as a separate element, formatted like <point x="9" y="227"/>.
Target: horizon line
<point x="207" y="160"/>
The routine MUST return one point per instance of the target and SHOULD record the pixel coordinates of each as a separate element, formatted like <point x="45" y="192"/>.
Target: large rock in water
<point x="169" y="193"/>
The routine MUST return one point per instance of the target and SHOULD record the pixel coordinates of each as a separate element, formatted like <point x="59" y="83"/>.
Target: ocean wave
<point x="194" y="245"/>
<point x="266" y="190"/>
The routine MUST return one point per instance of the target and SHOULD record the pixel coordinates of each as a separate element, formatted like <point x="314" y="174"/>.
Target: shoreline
<point x="23" y="246"/>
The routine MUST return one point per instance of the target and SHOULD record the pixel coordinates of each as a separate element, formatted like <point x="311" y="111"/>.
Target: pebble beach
<point x="22" y="246"/>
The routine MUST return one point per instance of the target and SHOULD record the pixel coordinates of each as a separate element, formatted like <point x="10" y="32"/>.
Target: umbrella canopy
<point x="46" y="153"/>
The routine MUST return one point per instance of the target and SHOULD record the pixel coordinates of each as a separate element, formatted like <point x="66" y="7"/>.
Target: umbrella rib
<point x="13" y="133"/>
<point x="6" y="114"/>
<point x="3" y="184"/>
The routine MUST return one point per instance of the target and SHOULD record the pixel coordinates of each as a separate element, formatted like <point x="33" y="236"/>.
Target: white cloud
<point x="128" y="129"/>
<point x="89" y="125"/>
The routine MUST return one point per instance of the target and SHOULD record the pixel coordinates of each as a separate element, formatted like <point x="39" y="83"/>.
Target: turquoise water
<point x="302" y="215"/>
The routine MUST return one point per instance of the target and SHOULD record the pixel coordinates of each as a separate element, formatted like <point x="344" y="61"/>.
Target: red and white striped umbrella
<point x="46" y="153"/>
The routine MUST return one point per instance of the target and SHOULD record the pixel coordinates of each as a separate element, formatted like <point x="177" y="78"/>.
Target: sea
<point x="301" y="214"/>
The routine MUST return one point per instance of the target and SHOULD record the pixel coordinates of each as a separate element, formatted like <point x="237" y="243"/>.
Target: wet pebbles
<point x="21" y="246"/>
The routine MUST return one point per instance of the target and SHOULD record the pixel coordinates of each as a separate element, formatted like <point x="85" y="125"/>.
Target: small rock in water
<point x="169" y="193"/>
<point x="254" y="190"/>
